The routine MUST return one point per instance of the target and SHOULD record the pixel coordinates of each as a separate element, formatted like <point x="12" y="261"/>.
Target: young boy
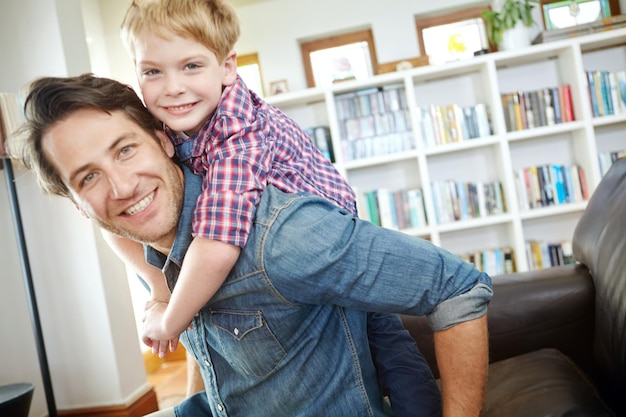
<point x="187" y="71"/>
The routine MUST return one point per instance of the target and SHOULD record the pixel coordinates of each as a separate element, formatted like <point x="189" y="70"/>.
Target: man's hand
<point x="152" y="319"/>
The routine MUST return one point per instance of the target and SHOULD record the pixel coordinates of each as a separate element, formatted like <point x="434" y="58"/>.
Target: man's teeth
<point x="141" y="205"/>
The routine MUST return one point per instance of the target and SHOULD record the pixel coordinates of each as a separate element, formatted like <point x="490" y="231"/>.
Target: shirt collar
<point x="193" y="187"/>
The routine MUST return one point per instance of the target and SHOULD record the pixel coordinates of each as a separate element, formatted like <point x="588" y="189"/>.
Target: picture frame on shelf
<point x="453" y="36"/>
<point x="561" y="14"/>
<point x="336" y="58"/>
<point x="278" y="87"/>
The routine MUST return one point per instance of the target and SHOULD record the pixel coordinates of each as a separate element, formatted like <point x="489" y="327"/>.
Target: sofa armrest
<point x="553" y="307"/>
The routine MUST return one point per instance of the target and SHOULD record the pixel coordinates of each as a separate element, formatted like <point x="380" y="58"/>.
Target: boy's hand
<point x="153" y="314"/>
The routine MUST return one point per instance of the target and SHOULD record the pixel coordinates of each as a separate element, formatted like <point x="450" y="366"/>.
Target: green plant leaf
<point x="511" y="12"/>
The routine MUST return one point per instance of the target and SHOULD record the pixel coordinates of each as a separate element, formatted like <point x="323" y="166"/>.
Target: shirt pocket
<point x="247" y="342"/>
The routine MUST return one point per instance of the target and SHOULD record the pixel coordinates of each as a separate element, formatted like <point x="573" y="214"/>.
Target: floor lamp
<point x="30" y="289"/>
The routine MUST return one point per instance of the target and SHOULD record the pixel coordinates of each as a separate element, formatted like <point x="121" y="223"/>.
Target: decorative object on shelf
<point x="337" y="58"/>
<point x="453" y="36"/>
<point x="278" y="87"/>
<point x="455" y="41"/>
<point x="402" y="65"/>
<point x="567" y="13"/>
<point x="509" y="27"/>
<point x="602" y="25"/>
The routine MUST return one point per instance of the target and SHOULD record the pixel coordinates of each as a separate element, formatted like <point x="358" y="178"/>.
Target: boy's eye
<point x="192" y="66"/>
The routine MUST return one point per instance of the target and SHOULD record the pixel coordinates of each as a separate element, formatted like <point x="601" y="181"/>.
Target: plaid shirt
<point x="245" y="146"/>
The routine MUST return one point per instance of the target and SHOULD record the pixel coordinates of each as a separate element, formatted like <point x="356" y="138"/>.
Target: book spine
<point x="591" y="88"/>
<point x="558" y="116"/>
<point x="567" y="102"/>
<point x="549" y="107"/>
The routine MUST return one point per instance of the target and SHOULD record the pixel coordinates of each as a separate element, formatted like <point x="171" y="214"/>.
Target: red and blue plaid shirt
<point x="246" y="145"/>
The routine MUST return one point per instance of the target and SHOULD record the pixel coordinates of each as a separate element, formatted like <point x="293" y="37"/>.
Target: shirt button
<point x="220" y="407"/>
<point x="207" y="363"/>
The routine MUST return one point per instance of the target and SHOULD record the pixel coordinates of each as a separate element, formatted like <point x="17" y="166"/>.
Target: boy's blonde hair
<point x="212" y="23"/>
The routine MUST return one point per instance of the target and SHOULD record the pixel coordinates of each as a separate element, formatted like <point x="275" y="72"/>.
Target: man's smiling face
<point x="118" y="174"/>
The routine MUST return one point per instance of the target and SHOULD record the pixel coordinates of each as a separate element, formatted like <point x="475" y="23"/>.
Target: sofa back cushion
<point x="600" y="244"/>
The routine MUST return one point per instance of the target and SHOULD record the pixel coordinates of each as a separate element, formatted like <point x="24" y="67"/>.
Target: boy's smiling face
<point x="181" y="80"/>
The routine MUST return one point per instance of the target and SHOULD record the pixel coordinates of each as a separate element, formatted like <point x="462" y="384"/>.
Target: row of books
<point x="547" y="185"/>
<point x="321" y="137"/>
<point x="492" y="261"/>
<point x="466" y="200"/>
<point x="607" y="92"/>
<point x="374" y="121"/>
<point x="542" y="107"/>
<point x="393" y="209"/>
<point x="451" y="123"/>
<point x="377" y="145"/>
<point x="542" y="254"/>
<point x="370" y="101"/>
<point x="607" y="158"/>
<point x="374" y="125"/>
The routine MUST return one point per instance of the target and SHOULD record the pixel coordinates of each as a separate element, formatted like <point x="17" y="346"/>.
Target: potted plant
<point x="513" y="14"/>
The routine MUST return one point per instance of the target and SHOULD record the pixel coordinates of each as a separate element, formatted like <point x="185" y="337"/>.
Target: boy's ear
<point x="230" y="68"/>
<point x="165" y="143"/>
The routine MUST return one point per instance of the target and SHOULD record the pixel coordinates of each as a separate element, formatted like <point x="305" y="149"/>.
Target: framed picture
<point x="278" y="87"/>
<point x="562" y="14"/>
<point x="453" y="36"/>
<point x="350" y="56"/>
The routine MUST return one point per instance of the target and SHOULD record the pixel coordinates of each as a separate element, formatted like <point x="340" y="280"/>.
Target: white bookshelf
<point x="492" y="158"/>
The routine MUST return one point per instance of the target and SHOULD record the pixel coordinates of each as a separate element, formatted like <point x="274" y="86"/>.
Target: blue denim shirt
<point x="286" y="334"/>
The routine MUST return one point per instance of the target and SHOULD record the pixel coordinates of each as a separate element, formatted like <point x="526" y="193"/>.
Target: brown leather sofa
<point x="558" y="336"/>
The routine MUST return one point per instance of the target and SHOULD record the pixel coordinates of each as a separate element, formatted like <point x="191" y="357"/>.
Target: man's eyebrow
<point x="75" y="173"/>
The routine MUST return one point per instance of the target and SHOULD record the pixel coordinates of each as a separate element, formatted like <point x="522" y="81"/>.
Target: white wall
<point x="82" y="290"/>
<point x="273" y="28"/>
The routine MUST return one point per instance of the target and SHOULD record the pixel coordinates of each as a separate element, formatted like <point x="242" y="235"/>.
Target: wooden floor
<point x="169" y="382"/>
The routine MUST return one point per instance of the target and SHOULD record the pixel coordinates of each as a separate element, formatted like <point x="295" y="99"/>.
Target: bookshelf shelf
<point x="462" y="146"/>
<point x="475" y="223"/>
<point x="545" y="212"/>
<point x="380" y="160"/>
<point x="404" y="157"/>
<point x="609" y="120"/>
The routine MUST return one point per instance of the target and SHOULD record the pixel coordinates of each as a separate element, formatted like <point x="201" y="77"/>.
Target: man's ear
<point x="165" y="143"/>
<point x="230" y="68"/>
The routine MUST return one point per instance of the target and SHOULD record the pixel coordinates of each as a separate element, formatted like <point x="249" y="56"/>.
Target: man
<point x="285" y="335"/>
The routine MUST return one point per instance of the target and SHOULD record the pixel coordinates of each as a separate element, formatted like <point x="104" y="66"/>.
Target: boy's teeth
<point x="140" y="205"/>
<point x="180" y="107"/>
